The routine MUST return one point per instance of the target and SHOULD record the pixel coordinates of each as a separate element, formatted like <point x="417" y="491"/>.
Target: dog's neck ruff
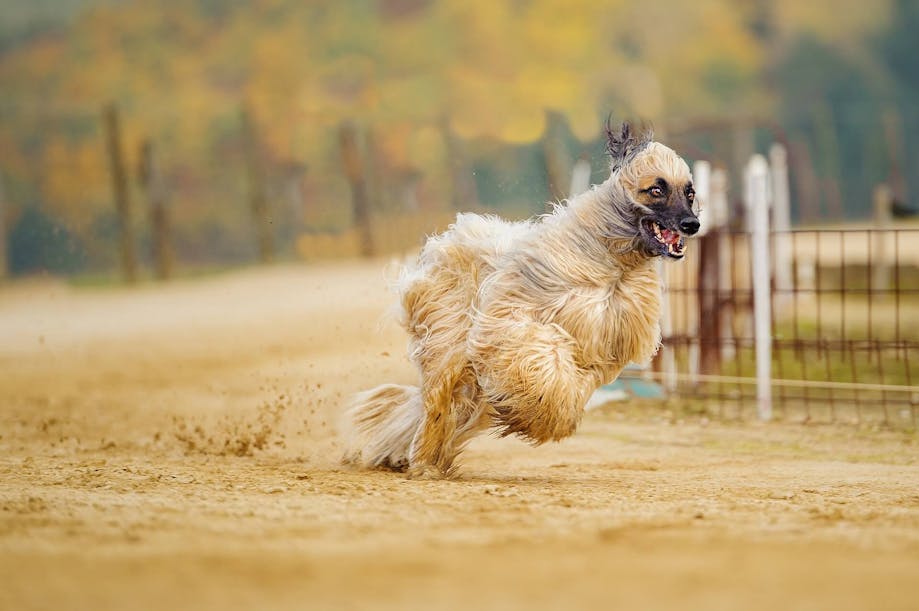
<point x="584" y="271"/>
<point x="599" y="224"/>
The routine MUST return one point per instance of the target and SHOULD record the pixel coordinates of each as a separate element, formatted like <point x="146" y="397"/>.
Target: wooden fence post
<point x="354" y="171"/>
<point x="808" y="194"/>
<point x="258" y="202"/>
<point x="378" y="180"/>
<point x="151" y="181"/>
<point x="757" y="176"/>
<point x="121" y="193"/>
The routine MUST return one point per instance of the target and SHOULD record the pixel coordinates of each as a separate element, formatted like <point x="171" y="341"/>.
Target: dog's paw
<point x="351" y="458"/>
<point x="399" y="465"/>
<point x="425" y="472"/>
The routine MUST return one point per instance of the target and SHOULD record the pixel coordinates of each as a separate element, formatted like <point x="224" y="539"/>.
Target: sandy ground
<point x="176" y="447"/>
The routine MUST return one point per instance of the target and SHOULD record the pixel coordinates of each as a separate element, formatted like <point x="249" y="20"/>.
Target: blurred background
<point x="175" y="444"/>
<point x="153" y="138"/>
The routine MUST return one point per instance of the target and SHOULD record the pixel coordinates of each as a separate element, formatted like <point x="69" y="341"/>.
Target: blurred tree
<point x="354" y="164"/>
<point x="898" y="50"/>
<point x="120" y="192"/>
<point x="836" y="104"/>
<point x="442" y="86"/>
<point x="151" y="180"/>
<point x="4" y="266"/>
<point x="258" y="201"/>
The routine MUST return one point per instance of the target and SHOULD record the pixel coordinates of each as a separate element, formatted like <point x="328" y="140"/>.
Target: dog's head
<point x="657" y="186"/>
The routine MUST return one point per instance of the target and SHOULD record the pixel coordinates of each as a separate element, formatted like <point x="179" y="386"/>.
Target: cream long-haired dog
<point x="514" y="325"/>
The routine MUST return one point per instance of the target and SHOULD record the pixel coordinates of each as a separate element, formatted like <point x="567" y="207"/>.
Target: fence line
<point x="818" y="319"/>
<point x="701" y="377"/>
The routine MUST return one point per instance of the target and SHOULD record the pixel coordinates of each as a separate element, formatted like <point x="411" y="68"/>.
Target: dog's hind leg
<point x="469" y="416"/>
<point x="433" y="448"/>
<point x="436" y="298"/>
<point x="380" y="425"/>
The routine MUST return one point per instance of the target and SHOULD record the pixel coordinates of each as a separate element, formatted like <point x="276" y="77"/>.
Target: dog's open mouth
<point x="670" y="242"/>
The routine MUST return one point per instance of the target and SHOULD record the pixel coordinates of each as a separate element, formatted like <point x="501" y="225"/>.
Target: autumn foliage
<point x="439" y="91"/>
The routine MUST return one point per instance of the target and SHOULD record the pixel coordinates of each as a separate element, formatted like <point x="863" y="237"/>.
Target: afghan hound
<point x="514" y="325"/>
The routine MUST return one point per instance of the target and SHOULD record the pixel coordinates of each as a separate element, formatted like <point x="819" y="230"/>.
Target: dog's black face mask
<point x="664" y="212"/>
<point x="662" y="232"/>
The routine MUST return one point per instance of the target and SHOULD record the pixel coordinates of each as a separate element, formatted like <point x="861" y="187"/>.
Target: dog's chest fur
<point x="607" y="307"/>
<point x="617" y="323"/>
<point x="613" y="319"/>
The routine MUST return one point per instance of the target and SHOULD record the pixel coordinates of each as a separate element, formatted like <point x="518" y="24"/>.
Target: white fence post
<point x="701" y="178"/>
<point x="580" y="177"/>
<point x="668" y="358"/>
<point x="781" y="220"/>
<point x="883" y="200"/>
<point x="717" y="204"/>
<point x="702" y="183"/>
<point x="757" y="176"/>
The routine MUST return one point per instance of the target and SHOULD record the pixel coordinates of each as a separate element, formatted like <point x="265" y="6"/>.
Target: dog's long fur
<point x="514" y="325"/>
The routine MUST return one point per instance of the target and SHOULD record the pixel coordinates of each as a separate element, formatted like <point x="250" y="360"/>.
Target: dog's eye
<point x="690" y="195"/>
<point x="656" y="192"/>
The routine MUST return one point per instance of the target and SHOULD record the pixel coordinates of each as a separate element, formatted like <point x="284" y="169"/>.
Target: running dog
<point x="514" y="325"/>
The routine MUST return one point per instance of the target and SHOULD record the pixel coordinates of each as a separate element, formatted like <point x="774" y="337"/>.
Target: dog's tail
<point x="381" y="424"/>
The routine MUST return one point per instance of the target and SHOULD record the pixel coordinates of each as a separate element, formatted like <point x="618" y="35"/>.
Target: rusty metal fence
<point x="844" y="334"/>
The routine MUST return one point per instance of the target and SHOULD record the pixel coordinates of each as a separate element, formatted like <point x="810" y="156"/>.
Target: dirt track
<point x="175" y="447"/>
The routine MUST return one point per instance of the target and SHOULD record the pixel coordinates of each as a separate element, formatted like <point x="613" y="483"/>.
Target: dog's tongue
<point x="670" y="237"/>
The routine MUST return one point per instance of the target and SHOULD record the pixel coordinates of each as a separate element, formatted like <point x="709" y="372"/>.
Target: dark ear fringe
<point x="624" y="143"/>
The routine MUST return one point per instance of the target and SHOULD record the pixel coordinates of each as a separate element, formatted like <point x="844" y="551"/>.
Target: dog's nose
<point x="689" y="225"/>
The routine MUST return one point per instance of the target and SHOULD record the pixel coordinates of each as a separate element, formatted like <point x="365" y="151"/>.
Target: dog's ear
<point x="625" y="142"/>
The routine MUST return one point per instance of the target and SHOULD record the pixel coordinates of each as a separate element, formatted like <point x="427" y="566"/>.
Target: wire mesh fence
<point x="844" y="325"/>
